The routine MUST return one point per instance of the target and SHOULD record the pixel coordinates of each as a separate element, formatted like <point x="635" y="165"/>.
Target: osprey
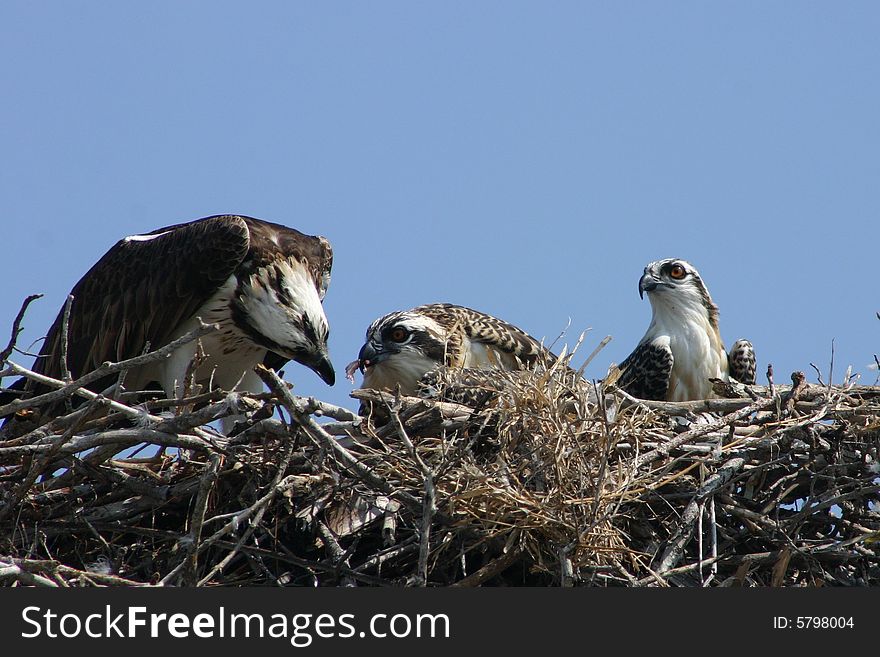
<point x="403" y="346"/>
<point x="262" y="283"/>
<point x="682" y="348"/>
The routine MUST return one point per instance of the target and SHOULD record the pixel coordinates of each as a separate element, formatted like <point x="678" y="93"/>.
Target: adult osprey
<point x="682" y="348"/>
<point x="263" y="283"/>
<point x="402" y="347"/>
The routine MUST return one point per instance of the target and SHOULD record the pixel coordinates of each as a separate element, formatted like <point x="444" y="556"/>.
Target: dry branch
<point x="16" y="328"/>
<point x="64" y="389"/>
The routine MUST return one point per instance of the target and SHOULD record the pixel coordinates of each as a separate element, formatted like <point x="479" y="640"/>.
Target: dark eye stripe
<point x="309" y="330"/>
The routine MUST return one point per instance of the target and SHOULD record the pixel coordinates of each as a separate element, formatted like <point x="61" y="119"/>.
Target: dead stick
<point x="494" y="567"/>
<point x="318" y="407"/>
<point x="65" y="326"/>
<point x="15" y="571"/>
<point x="429" y="506"/>
<point x="16" y="327"/>
<point x="95" y="375"/>
<point x="121" y="437"/>
<point x="31" y="565"/>
<point x="685" y="530"/>
<point x="338" y="555"/>
<point x="197" y="518"/>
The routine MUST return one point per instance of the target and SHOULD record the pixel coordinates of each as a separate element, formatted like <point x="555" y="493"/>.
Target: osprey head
<point x="282" y="311"/>
<point x="400" y="348"/>
<point x="675" y="284"/>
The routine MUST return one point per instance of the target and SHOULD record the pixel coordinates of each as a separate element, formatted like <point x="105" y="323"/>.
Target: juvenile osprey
<point x="402" y="347"/>
<point x="682" y="348"/>
<point x="263" y="283"/>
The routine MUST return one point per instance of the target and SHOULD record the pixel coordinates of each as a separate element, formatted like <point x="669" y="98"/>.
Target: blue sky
<point x="525" y="159"/>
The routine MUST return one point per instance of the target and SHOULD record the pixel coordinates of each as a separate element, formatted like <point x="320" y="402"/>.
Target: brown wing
<point x="645" y="372"/>
<point x="480" y="327"/>
<point x="142" y="289"/>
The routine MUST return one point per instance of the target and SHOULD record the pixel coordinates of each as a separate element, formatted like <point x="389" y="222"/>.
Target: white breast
<point x="230" y="354"/>
<point x="697" y="354"/>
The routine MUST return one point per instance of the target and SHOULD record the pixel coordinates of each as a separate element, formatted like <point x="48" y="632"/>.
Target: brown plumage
<point x="262" y="282"/>
<point x="401" y="347"/>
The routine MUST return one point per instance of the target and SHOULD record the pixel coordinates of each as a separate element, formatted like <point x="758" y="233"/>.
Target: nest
<point x="543" y="480"/>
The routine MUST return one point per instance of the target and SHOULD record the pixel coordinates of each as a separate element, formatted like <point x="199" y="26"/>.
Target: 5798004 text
<point x="813" y="623"/>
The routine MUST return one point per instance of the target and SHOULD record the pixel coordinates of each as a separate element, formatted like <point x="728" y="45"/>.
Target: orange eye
<point x="399" y="334"/>
<point x="677" y="272"/>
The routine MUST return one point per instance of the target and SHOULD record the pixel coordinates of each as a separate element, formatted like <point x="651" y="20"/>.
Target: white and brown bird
<point x="262" y="283"/>
<point x="404" y="346"/>
<point x="682" y="348"/>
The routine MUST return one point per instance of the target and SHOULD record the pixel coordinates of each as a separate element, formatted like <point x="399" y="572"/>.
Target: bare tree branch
<point x="16" y="328"/>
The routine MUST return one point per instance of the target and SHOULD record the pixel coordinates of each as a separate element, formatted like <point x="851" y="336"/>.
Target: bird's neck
<point x="684" y="316"/>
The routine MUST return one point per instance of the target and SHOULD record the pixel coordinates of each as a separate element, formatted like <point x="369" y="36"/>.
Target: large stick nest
<point x="544" y="480"/>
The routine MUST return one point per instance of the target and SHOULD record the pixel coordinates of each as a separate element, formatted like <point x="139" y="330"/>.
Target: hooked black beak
<point x="369" y="355"/>
<point x="647" y="283"/>
<point x="320" y="364"/>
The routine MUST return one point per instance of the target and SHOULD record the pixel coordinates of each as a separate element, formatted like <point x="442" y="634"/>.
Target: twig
<point x="685" y="529"/>
<point x="36" y="469"/>
<point x="599" y="347"/>
<point x="119" y="437"/>
<point x="672" y="572"/>
<point x="429" y="506"/>
<point x="316" y="407"/>
<point x="16" y="328"/>
<point x="831" y="367"/>
<point x="449" y="410"/>
<point x="396" y="551"/>
<point x="688" y="407"/>
<point x="33" y="565"/>
<point x="490" y="570"/>
<point x="337" y="555"/>
<point x="65" y="326"/>
<point x="97" y="374"/>
<point x="197" y="519"/>
<point x="13" y="570"/>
